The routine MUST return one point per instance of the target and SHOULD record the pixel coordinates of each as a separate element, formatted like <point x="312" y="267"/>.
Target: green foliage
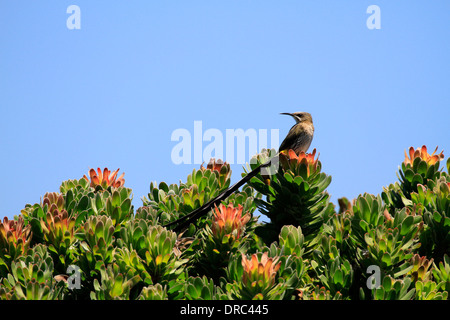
<point x="394" y="289"/>
<point x="115" y="284"/>
<point x="160" y="258"/>
<point x="391" y="246"/>
<point x="153" y="292"/>
<point x="441" y="272"/>
<point x="15" y="238"/>
<point x="32" y="278"/>
<point x="294" y="194"/>
<point x="197" y="288"/>
<point x="171" y="202"/>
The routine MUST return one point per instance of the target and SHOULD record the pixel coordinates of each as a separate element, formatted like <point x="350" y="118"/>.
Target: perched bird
<point x="301" y="134"/>
<point x="298" y="139"/>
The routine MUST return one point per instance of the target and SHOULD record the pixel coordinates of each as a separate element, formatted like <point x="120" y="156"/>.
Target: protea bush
<point x="219" y="241"/>
<point x="87" y="240"/>
<point x="295" y="194"/>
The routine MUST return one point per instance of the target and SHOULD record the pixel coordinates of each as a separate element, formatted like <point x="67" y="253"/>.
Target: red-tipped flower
<point x="214" y="164"/>
<point x="106" y="178"/>
<point x="300" y="162"/>
<point x="58" y="227"/>
<point x="14" y="235"/>
<point x="259" y="273"/>
<point x="422" y="153"/>
<point x="228" y="220"/>
<point x="222" y="168"/>
<point x="54" y="201"/>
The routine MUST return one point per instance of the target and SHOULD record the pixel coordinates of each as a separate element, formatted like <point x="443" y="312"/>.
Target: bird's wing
<point x="289" y="141"/>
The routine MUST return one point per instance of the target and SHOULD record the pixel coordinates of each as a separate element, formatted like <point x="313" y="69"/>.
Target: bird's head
<point x="300" y="116"/>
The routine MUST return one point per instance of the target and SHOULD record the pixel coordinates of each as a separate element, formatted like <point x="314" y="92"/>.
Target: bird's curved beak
<point x="287" y="113"/>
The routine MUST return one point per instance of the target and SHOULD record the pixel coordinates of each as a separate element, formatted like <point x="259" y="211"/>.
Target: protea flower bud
<point x="422" y="153"/>
<point x="421" y="268"/>
<point x="58" y="228"/>
<point x="15" y="237"/>
<point x="223" y="168"/>
<point x="54" y="201"/>
<point x="259" y="274"/>
<point x="106" y="178"/>
<point x="228" y="220"/>
<point x="303" y="164"/>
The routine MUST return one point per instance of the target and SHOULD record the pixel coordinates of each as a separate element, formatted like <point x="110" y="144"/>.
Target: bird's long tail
<point x="184" y="221"/>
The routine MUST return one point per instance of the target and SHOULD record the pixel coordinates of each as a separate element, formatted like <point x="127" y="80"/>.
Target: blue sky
<point x="113" y="92"/>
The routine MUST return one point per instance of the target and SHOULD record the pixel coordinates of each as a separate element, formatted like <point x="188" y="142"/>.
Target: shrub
<point x="87" y="241"/>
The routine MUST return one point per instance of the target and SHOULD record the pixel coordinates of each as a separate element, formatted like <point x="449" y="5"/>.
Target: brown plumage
<point x="301" y="134"/>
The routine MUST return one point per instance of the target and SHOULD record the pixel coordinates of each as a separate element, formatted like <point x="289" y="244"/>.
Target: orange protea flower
<point x="261" y="273"/>
<point x="105" y="179"/>
<point x="228" y="220"/>
<point x="422" y="153"/>
<point x="291" y="161"/>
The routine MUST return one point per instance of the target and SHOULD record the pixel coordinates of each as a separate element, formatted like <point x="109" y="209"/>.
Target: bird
<point x="301" y="134"/>
<point x="299" y="139"/>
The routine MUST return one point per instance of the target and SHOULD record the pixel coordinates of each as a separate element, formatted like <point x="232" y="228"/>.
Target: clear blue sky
<point x="111" y="93"/>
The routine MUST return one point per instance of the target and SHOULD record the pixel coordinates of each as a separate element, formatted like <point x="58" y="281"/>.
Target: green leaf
<point x="98" y="202"/>
<point x="431" y="171"/>
<point x="364" y="207"/>
<point x="288" y="177"/>
<point x="379" y="293"/>
<point x="164" y="186"/>
<point x="422" y="168"/>
<point x="404" y="269"/>
<point x="124" y="192"/>
<point x="155" y="193"/>
<point x="408" y="174"/>
<point x="198" y="177"/>
<point x="83" y="203"/>
<point x="364" y="225"/>
<point x="99" y="229"/>
<point x="69" y="197"/>
<point x="382" y="245"/>
<point x="386" y="258"/>
<point x="126" y="206"/>
<point x="116" y="199"/>
<point x="191" y="290"/>
<point x="406" y="225"/>
<point x="206" y="293"/>
<point x="417" y="178"/>
<point x="437" y="217"/>
<point x="338" y="277"/>
<point x="117" y="289"/>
